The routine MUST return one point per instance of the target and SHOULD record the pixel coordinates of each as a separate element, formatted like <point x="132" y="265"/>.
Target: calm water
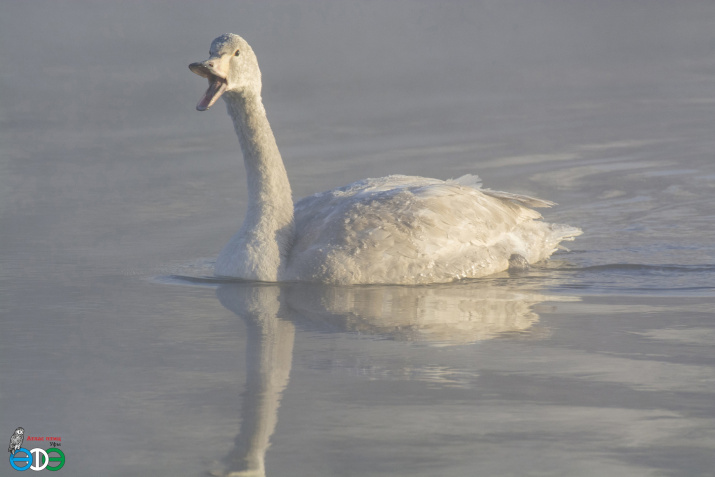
<point x="115" y="197"/>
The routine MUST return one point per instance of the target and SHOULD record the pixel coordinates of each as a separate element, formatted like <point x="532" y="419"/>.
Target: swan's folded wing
<point x="402" y="229"/>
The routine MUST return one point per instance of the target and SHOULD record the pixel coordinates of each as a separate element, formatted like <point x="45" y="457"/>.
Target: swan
<point x="390" y="230"/>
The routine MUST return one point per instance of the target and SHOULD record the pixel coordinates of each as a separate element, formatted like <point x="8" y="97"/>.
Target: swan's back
<point x="409" y="230"/>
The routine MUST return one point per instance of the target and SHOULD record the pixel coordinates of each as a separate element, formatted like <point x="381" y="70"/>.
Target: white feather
<point x="396" y="229"/>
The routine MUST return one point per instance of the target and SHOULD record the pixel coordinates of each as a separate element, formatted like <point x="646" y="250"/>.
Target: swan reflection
<point x="457" y="314"/>
<point x="436" y="314"/>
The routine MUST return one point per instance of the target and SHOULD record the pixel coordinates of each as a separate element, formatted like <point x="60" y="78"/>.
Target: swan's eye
<point x="236" y="54"/>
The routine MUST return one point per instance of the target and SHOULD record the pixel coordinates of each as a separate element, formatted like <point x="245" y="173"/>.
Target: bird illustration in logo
<point x="16" y="440"/>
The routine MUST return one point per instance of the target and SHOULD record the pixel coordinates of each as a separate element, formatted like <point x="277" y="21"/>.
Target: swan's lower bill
<point x="217" y="85"/>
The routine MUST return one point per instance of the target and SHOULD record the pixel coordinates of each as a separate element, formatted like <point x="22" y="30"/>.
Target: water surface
<point x="115" y="197"/>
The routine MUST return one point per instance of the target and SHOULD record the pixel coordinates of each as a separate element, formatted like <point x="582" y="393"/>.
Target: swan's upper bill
<point x="396" y="229"/>
<point x="217" y="83"/>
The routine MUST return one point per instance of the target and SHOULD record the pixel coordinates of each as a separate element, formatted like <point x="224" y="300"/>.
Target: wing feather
<point x="406" y="229"/>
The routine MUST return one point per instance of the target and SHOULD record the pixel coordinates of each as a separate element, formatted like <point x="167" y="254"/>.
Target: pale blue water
<point x="115" y="196"/>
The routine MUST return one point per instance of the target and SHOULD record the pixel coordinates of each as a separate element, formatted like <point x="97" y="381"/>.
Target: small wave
<point x="197" y="272"/>
<point x="188" y="280"/>
<point x="205" y="281"/>
<point x="635" y="278"/>
<point x="637" y="267"/>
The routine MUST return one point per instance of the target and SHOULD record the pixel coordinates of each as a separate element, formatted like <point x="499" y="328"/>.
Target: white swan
<point x="396" y="229"/>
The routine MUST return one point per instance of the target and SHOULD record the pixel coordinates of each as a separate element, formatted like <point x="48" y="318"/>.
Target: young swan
<point x="395" y="229"/>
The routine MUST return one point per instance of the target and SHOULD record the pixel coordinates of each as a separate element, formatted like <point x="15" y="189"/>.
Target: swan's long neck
<point x="260" y="248"/>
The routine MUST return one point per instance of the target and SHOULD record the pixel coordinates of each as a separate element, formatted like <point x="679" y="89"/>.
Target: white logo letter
<point x="36" y="459"/>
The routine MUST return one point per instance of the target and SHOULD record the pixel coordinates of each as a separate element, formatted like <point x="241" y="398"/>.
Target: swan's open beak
<point x="217" y="83"/>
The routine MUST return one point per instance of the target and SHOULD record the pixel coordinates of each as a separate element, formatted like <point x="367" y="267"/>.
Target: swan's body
<point x="395" y="229"/>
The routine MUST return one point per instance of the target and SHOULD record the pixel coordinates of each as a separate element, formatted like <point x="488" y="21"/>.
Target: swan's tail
<point x="563" y="233"/>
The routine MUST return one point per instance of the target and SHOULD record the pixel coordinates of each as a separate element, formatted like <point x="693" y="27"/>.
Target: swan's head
<point x="231" y="67"/>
